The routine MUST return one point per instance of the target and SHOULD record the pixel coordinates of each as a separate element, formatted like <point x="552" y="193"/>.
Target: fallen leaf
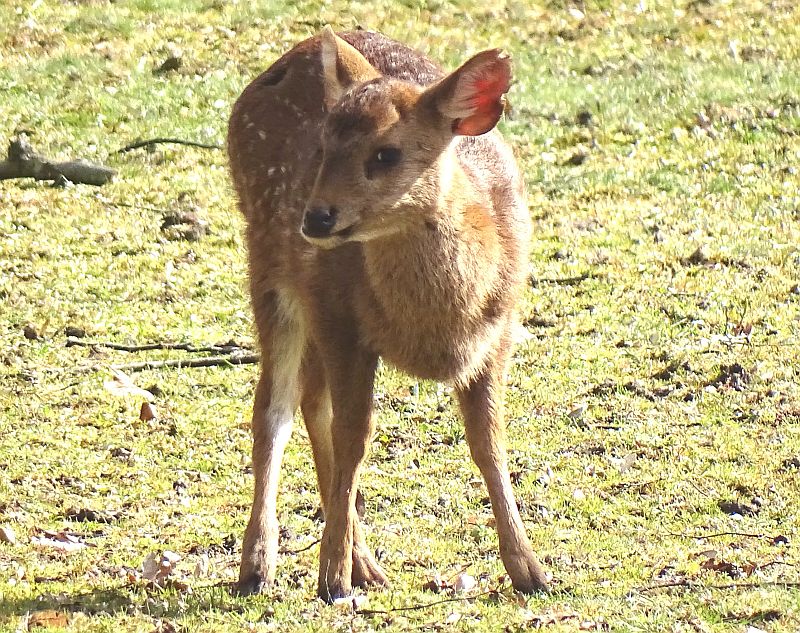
<point x="74" y="331"/>
<point x="722" y="566"/>
<point x="734" y="507"/>
<point x="122" y="385"/>
<point x="147" y="412"/>
<point x="47" y="619"/>
<point x="157" y="566"/>
<point x="464" y="583"/>
<point x="85" y="514"/>
<point x="7" y="535"/>
<point x="550" y="618"/>
<point x="578" y="412"/>
<point x="59" y="540"/>
<point x="436" y="584"/>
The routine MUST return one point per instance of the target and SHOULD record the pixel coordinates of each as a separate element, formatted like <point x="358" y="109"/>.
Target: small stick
<point x="122" y="347"/>
<point x="563" y="281"/>
<point x="425" y="605"/>
<point x="302" y="549"/>
<point x="174" y="141"/>
<point x="718" y="534"/>
<point x="733" y="585"/>
<point x="210" y="361"/>
<point x="111" y="203"/>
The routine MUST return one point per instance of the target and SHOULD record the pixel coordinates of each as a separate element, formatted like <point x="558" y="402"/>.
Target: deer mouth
<point x="332" y="240"/>
<point x="345" y="232"/>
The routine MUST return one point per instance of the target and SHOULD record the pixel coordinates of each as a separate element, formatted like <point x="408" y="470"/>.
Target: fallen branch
<point x="23" y="162"/>
<point x="425" y="605"/>
<point x="210" y="361"/>
<point x="145" y="347"/>
<point x="173" y="141"/>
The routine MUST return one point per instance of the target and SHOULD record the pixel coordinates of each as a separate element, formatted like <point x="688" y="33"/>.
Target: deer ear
<point x="342" y="66"/>
<point x="472" y="97"/>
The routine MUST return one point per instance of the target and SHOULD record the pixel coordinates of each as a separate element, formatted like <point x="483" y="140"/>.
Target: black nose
<point x="319" y="221"/>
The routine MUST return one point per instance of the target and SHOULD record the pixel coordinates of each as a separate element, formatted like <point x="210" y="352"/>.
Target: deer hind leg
<point x="482" y="407"/>
<point x="275" y="403"/>
<point x="318" y="417"/>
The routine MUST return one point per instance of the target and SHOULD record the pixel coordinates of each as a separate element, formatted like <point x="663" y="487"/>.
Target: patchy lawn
<point x="654" y="408"/>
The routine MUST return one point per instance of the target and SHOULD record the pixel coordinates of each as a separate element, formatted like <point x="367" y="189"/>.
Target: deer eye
<point x="382" y="159"/>
<point x="387" y="156"/>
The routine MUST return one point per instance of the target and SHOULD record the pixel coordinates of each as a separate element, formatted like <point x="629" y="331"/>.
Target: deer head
<point x="385" y="142"/>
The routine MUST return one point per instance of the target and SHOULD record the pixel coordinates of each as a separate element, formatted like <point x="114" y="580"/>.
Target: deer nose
<point x="319" y="221"/>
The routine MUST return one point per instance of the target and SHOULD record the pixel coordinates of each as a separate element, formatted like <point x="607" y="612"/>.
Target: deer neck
<point x="447" y="259"/>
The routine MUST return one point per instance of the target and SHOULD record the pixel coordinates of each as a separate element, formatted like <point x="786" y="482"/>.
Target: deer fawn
<point x="385" y="219"/>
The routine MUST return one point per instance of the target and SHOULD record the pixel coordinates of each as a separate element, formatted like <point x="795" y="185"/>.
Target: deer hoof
<point x="367" y="572"/>
<point x="529" y="577"/>
<point x="251" y="585"/>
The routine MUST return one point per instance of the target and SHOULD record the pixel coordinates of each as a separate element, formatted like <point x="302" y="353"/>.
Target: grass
<point x="656" y="386"/>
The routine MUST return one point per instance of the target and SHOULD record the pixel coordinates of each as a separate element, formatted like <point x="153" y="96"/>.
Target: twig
<point x="301" y="550"/>
<point x="128" y="205"/>
<point x="417" y="607"/>
<point x="563" y="281"/>
<point x="122" y="347"/>
<point x="175" y="141"/>
<point x="688" y="584"/>
<point x="718" y="534"/>
<point x="23" y="162"/>
<point x="210" y="361"/>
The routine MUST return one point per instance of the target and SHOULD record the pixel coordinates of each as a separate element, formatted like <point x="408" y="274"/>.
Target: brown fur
<point x="423" y="268"/>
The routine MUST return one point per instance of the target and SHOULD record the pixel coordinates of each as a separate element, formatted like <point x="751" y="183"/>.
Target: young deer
<point x="385" y="219"/>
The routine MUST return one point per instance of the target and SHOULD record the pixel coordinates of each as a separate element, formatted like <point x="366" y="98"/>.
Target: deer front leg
<point x="343" y="556"/>
<point x="317" y="415"/>
<point x="275" y="403"/>
<point x="482" y="407"/>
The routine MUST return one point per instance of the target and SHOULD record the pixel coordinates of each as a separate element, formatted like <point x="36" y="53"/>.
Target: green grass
<point x="691" y="141"/>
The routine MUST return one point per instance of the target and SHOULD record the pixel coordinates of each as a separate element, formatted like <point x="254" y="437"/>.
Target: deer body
<point x="384" y="219"/>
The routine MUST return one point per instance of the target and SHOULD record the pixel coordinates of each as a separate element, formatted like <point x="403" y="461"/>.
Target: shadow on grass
<point x="168" y="602"/>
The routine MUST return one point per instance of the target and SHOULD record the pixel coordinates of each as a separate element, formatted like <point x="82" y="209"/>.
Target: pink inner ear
<point x="484" y="92"/>
<point x="488" y="91"/>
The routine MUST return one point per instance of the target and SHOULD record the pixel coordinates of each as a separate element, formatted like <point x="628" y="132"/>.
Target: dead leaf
<point x="85" y="514"/>
<point x="7" y="535"/>
<point x="436" y="584"/>
<point x="47" y="619"/>
<point x="698" y="257"/>
<point x="722" y="566"/>
<point x="734" y="507"/>
<point x="734" y="376"/>
<point x="550" y="618"/>
<point x="173" y="62"/>
<point x="464" y="583"/>
<point x="74" y="331"/>
<point x="122" y="385"/>
<point x="184" y="225"/>
<point x="147" y="412"/>
<point x="62" y="541"/>
<point x="157" y="566"/>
